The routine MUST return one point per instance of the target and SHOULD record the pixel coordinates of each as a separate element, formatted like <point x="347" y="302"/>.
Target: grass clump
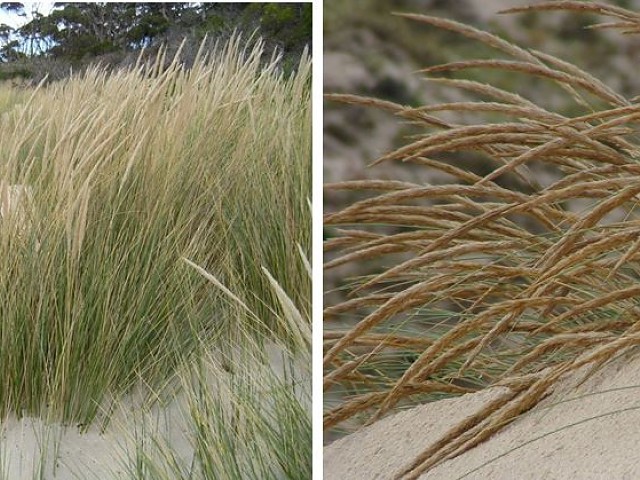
<point x="514" y="277"/>
<point x="247" y="414"/>
<point x="108" y="183"/>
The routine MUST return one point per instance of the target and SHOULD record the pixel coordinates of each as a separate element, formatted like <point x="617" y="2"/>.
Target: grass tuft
<point x="505" y="278"/>
<point x="109" y="181"/>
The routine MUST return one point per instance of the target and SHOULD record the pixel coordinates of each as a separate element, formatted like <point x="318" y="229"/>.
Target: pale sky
<point x="16" y="21"/>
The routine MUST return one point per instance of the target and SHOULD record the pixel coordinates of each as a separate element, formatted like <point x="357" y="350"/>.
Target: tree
<point x="79" y="33"/>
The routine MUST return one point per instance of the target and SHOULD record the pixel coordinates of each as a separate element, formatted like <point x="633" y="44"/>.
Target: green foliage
<point x="15" y="73"/>
<point x="154" y="230"/>
<point x="287" y="24"/>
<point x="148" y="27"/>
<point x="78" y="32"/>
<point x="213" y="24"/>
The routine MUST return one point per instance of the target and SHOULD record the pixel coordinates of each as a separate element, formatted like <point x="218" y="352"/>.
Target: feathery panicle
<point x="494" y="278"/>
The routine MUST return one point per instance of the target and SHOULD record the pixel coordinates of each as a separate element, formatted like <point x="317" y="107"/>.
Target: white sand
<point x="108" y="455"/>
<point x="584" y="438"/>
<point x="68" y="454"/>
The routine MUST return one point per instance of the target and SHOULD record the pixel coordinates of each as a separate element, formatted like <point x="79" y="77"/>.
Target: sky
<point x="16" y="21"/>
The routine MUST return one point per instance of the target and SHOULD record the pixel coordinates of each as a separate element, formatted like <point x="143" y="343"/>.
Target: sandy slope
<point x="594" y="433"/>
<point x="67" y="454"/>
<point x="104" y="455"/>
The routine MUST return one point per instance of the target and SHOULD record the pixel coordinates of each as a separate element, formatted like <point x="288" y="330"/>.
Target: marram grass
<point x="496" y="278"/>
<point x="236" y="410"/>
<point x="249" y="420"/>
<point x="124" y="176"/>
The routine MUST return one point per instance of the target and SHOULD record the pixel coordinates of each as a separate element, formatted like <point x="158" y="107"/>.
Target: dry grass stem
<point x="494" y="278"/>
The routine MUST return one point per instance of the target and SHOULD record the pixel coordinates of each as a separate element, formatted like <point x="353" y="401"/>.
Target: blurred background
<point x="369" y="51"/>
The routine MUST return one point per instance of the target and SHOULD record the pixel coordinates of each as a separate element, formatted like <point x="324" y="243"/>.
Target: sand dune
<point x="29" y="446"/>
<point x="582" y="431"/>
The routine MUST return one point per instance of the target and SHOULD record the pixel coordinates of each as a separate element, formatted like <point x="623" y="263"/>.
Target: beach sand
<point x="29" y="446"/>
<point x="581" y="431"/>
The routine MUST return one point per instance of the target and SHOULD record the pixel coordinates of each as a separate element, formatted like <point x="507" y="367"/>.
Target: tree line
<point x="76" y="34"/>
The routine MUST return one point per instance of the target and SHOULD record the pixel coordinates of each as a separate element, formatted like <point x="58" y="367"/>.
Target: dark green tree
<point x="79" y="33"/>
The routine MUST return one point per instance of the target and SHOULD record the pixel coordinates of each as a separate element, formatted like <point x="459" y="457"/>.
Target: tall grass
<point x="493" y="278"/>
<point x="123" y="177"/>
<point x="248" y="414"/>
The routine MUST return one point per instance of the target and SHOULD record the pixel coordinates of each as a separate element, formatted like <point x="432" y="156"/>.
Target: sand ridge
<point x="584" y="430"/>
<point x="30" y="445"/>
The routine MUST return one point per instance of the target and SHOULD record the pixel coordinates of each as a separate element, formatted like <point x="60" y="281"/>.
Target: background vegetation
<point x="75" y="35"/>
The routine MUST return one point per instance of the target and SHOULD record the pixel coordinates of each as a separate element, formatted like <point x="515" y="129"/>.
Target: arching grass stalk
<point x="125" y="174"/>
<point x="489" y="278"/>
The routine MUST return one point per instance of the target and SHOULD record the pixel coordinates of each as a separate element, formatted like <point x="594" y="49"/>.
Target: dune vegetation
<point x="513" y="276"/>
<point x="156" y="228"/>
